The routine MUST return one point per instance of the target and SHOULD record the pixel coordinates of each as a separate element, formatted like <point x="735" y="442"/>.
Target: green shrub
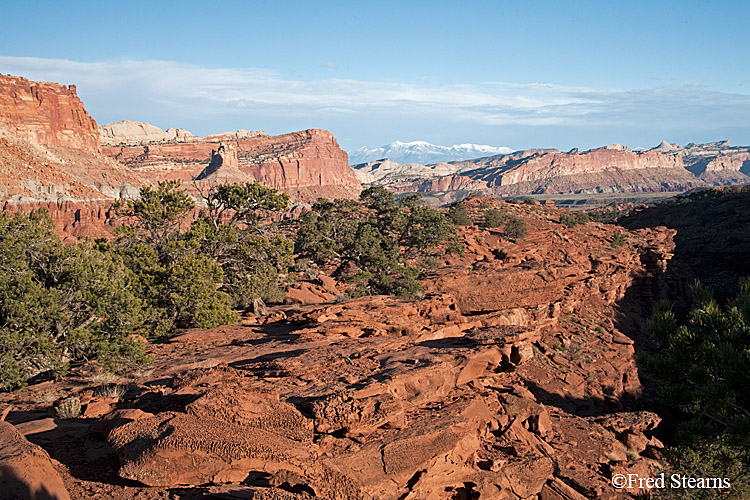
<point x="327" y="229"/>
<point x="515" y="229"/>
<point x="61" y="303"/>
<point x="574" y="219"/>
<point x="247" y="203"/>
<point x="252" y="264"/>
<point x="193" y="297"/>
<point x="703" y="371"/>
<point x="618" y="239"/>
<point x="494" y="218"/>
<point x="228" y="258"/>
<point x="606" y="215"/>
<point x="381" y="248"/>
<point x="157" y="212"/>
<point x="713" y="458"/>
<point x="459" y="215"/>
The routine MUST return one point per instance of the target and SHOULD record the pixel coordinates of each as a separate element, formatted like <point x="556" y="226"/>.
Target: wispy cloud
<point x="141" y="90"/>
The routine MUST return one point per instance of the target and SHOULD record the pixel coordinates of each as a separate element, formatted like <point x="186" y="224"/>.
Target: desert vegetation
<point x="380" y="245"/>
<point x="63" y="304"/>
<point x="574" y="219"/>
<point x="224" y="260"/>
<point x="67" y="304"/>
<point x="702" y="366"/>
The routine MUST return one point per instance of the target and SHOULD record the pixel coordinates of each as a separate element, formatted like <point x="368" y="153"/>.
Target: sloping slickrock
<point x="379" y="315"/>
<point x="182" y="449"/>
<point x="526" y="397"/>
<point x="25" y="469"/>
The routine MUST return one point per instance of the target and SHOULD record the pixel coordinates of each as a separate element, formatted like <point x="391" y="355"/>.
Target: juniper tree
<point x="382" y="245"/>
<point x="62" y="304"/>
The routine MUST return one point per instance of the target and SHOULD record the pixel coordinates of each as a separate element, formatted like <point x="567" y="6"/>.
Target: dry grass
<point x="103" y="378"/>
<point x="206" y="363"/>
<point x="111" y="391"/>
<point x="46" y="397"/>
<point x="69" y="408"/>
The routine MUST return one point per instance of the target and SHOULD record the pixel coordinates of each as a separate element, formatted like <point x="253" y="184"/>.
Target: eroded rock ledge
<point x="510" y="379"/>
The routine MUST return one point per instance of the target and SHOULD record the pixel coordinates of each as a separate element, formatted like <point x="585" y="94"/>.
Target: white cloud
<point x="171" y="93"/>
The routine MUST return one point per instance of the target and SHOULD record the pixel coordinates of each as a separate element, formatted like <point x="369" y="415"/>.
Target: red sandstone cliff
<point x="50" y="155"/>
<point x="46" y="113"/>
<point x="306" y="164"/>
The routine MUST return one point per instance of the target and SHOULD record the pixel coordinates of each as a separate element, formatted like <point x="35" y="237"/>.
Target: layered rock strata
<point x="46" y="113"/>
<point x="612" y="169"/>
<point x="50" y="155"/>
<point x="305" y="164"/>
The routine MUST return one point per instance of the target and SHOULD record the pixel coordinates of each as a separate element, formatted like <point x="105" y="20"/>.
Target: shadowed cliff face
<point x="46" y="113"/>
<point x="713" y="234"/>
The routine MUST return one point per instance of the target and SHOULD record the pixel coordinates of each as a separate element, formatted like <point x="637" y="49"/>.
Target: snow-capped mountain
<point x="424" y="152"/>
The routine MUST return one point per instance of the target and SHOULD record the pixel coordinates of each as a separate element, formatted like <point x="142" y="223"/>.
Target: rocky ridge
<point x="611" y="169"/>
<point x="511" y="379"/>
<point x="130" y="132"/>
<point x="306" y="164"/>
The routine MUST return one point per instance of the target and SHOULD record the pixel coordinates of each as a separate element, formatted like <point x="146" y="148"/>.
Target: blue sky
<point x="517" y="74"/>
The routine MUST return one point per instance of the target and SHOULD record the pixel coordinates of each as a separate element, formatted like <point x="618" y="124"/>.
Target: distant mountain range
<point x="609" y="169"/>
<point x="423" y="152"/>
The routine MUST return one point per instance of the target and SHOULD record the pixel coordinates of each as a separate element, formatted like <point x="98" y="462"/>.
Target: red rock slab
<point x="503" y="289"/>
<point x="439" y="443"/>
<point x="99" y="407"/>
<point x="173" y="449"/>
<point x="307" y="293"/>
<point x="378" y="315"/>
<point x="37" y="426"/>
<point x="356" y="417"/>
<point x="253" y="409"/>
<point x="26" y="471"/>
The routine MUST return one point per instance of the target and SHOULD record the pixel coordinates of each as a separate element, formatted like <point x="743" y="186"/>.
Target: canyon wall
<point x="46" y="113"/>
<point x="51" y="156"/>
<point x="305" y="164"/>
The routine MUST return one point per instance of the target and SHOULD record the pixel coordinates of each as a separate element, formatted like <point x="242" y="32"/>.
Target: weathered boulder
<point x="26" y="471"/>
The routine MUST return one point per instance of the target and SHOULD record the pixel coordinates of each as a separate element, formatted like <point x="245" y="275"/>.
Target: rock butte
<point x="306" y="164"/>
